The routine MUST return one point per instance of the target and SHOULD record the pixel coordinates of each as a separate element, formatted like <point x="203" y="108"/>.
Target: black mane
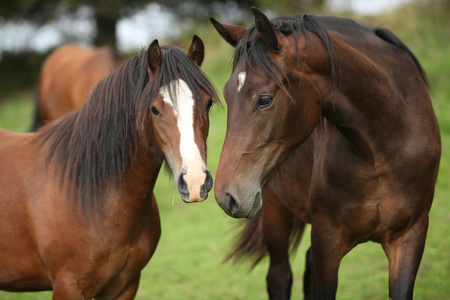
<point x="252" y="49"/>
<point x="253" y="52"/>
<point x="92" y="147"/>
<point x="389" y="37"/>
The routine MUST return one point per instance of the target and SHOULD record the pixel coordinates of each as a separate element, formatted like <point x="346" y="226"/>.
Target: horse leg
<point x="307" y="281"/>
<point x="327" y="250"/>
<point x="129" y="292"/>
<point x="279" y="276"/>
<point x="66" y="289"/>
<point x="277" y="226"/>
<point x="404" y="254"/>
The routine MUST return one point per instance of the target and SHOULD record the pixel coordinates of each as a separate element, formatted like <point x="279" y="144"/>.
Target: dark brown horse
<point x="77" y="211"/>
<point x="67" y="76"/>
<point x="331" y="121"/>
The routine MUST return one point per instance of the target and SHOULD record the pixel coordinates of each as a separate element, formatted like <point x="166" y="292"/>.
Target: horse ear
<point x="197" y="50"/>
<point x="230" y="33"/>
<point x="154" y="57"/>
<point x="266" y="30"/>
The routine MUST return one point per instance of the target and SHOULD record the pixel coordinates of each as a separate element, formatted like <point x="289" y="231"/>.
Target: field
<point x="196" y="237"/>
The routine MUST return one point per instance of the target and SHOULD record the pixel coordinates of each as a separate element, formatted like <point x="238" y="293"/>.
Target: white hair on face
<point x="241" y="79"/>
<point x="192" y="163"/>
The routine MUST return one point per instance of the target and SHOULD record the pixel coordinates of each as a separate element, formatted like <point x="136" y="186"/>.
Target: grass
<point x="195" y="238"/>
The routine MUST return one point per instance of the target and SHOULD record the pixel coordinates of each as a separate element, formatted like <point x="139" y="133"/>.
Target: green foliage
<point x="35" y="11"/>
<point x="196" y="237"/>
<point x="19" y="71"/>
<point x="16" y="114"/>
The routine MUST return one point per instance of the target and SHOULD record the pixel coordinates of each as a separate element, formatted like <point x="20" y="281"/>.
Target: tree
<point x="107" y="13"/>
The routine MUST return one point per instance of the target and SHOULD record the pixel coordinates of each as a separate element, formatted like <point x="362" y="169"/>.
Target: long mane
<point x="92" y="147"/>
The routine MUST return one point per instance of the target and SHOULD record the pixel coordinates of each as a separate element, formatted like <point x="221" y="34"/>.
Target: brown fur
<point x="68" y="76"/>
<point x="350" y="137"/>
<point x="77" y="211"/>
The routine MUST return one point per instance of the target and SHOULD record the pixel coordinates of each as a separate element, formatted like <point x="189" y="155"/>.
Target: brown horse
<point x="347" y="108"/>
<point x="77" y="211"/>
<point x="67" y="77"/>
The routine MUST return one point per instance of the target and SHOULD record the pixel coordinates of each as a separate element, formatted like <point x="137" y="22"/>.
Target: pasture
<point x="196" y="237"/>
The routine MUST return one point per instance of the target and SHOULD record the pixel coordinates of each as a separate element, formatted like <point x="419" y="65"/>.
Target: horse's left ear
<point x="197" y="50"/>
<point x="266" y="30"/>
<point x="154" y="57"/>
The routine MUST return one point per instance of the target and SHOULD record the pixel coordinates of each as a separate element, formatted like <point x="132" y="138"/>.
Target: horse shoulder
<point x="17" y="184"/>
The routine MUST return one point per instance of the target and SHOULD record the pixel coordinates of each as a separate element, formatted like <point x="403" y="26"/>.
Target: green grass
<point x="196" y="237"/>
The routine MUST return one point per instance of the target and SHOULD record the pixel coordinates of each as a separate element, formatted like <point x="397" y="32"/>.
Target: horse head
<point x="273" y="106"/>
<point x="179" y="115"/>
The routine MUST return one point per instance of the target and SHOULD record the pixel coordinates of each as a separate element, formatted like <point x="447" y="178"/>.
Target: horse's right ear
<point x="154" y="57"/>
<point x="230" y="33"/>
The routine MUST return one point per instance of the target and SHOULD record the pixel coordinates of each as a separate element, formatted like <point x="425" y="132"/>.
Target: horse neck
<point x="141" y="174"/>
<point x="371" y="106"/>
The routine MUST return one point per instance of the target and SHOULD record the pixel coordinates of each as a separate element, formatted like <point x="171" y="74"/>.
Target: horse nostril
<point x="207" y="186"/>
<point x="231" y="204"/>
<point x="182" y="186"/>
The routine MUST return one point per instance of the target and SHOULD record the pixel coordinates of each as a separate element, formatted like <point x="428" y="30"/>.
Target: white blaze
<point x="241" y="80"/>
<point x="192" y="163"/>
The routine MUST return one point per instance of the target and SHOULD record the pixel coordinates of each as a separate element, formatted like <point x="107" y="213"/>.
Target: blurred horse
<point x="342" y="110"/>
<point x="67" y="77"/>
<point x="77" y="211"/>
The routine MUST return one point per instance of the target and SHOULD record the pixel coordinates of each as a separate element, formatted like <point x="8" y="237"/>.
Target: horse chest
<point x="356" y="196"/>
<point x="363" y="202"/>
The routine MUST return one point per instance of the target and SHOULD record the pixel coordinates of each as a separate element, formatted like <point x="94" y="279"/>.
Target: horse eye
<point x="155" y="112"/>
<point x="208" y="107"/>
<point x="264" y="101"/>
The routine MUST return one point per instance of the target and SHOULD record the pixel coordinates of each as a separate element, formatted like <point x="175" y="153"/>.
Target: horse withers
<point x="77" y="211"/>
<point x="67" y="77"/>
<point x="358" y="98"/>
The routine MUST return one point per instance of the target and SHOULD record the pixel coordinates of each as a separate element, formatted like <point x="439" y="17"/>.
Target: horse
<point x="342" y="110"/>
<point x="67" y="76"/>
<point x="77" y="210"/>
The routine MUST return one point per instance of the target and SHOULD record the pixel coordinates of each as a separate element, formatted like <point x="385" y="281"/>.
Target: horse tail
<point x="250" y="243"/>
<point x="37" y="118"/>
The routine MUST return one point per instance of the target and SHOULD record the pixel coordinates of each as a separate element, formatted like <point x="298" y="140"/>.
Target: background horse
<point x="104" y="159"/>
<point x="359" y="96"/>
<point x="67" y="77"/>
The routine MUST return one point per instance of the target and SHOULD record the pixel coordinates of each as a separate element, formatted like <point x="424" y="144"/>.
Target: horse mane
<point x="92" y="147"/>
<point x="391" y="38"/>
<point x="253" y="51"/>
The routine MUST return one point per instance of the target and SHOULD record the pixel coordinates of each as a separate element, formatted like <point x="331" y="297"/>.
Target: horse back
<point x="67" y="77"/>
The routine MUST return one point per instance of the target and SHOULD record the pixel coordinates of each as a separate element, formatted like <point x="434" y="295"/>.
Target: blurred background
<point x="30" y="29"/>
<point x="195" y="238"/>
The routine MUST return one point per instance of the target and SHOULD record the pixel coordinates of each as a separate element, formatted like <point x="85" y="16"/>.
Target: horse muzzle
<point x="238" y="207"/>
<point x="194" y="190"/>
